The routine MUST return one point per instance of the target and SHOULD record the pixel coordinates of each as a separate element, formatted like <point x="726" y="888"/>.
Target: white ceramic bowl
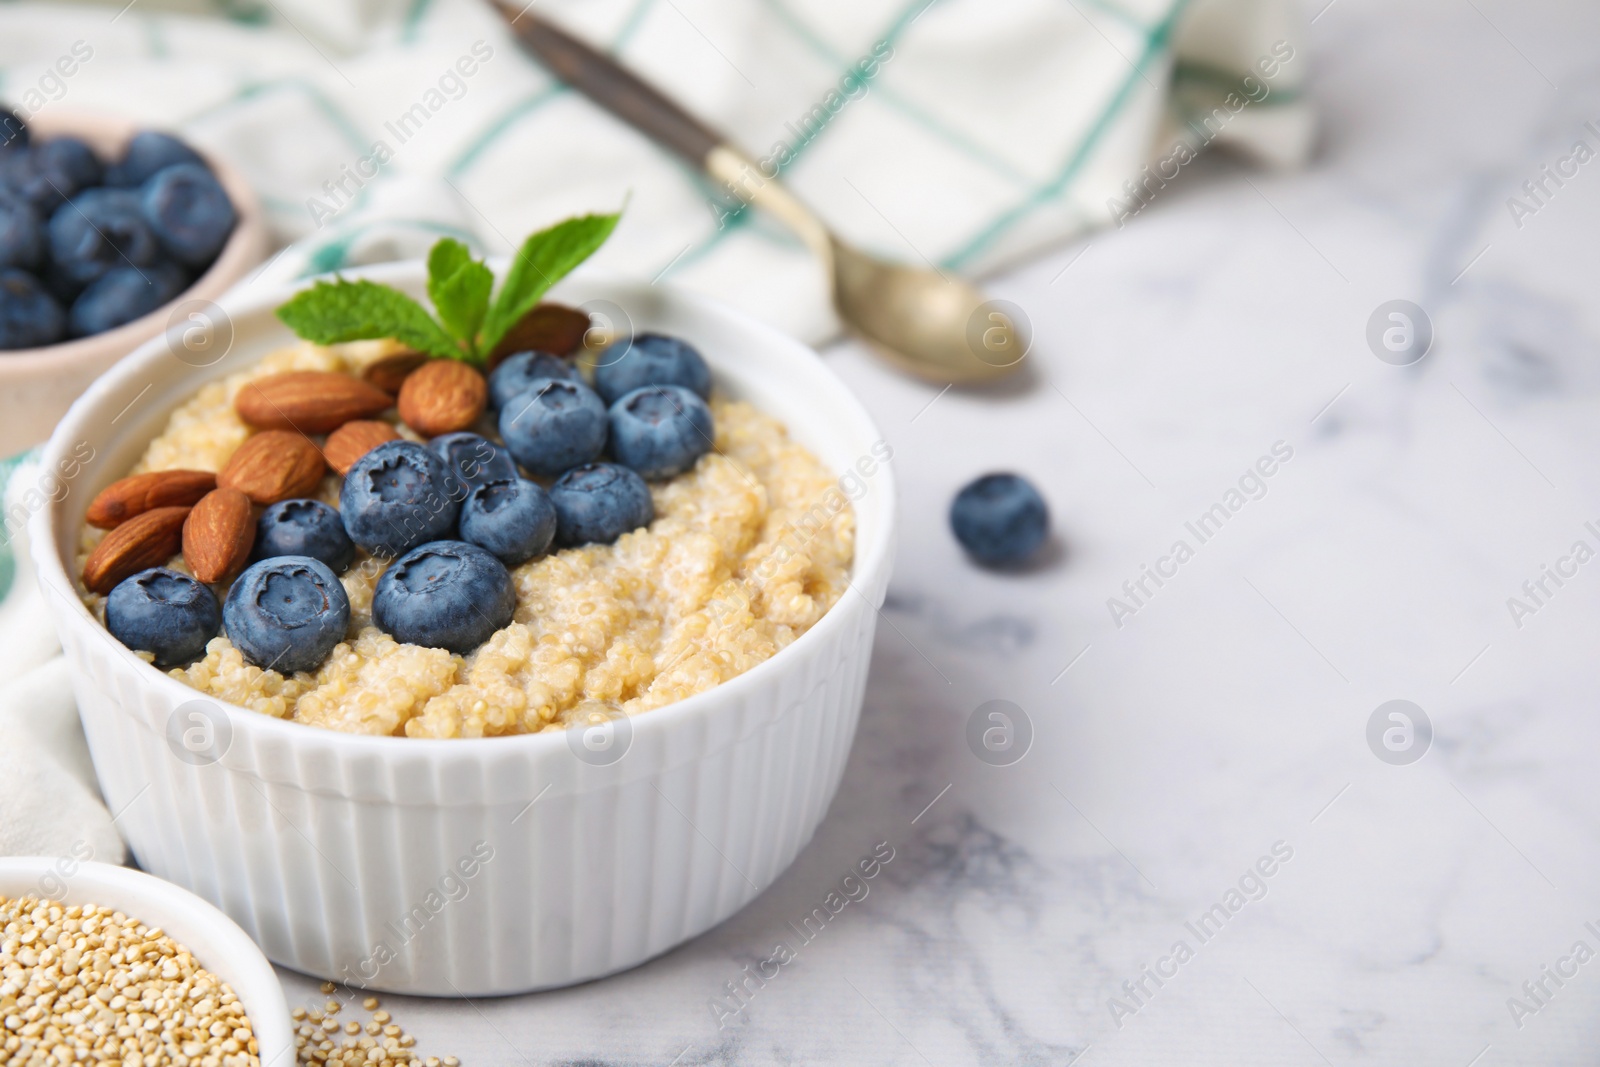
<point x="344" y="856"/>
<point x="37" y="385"/>
<point x="214" y="939"/>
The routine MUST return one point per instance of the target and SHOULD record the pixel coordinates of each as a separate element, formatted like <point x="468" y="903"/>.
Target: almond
<point x="353" y="440"/>
<point x="218" y="535"/>
<point x="553" y="328"/>
<point x="442" y="396"/>
<point x="147" y="540"/>
<point x="390" y="372"/>
<point x="310" y="401"/>
<point x="122" y="500"/>
<point x="273" y="465"/>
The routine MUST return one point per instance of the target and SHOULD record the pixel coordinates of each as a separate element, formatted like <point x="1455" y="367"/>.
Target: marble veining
<point x="1423" y="902"/>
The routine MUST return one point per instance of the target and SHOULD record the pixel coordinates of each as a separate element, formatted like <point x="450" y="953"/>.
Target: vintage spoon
<point x="923" y="321"/>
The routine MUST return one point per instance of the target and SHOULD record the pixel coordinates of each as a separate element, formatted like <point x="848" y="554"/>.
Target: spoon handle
<point x="648" y="110"/>
<point x="612" y="86"/>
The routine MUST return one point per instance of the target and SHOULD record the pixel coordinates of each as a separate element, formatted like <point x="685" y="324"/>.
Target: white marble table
<point x="1228" y="715"/>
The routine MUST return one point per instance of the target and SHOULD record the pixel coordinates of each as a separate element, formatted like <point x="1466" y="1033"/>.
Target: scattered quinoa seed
<point x="375" y="1042"/>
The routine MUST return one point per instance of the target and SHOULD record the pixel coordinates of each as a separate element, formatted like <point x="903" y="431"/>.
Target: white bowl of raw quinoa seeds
<point x="434" y="859"/>
<point x="106" y="964"/>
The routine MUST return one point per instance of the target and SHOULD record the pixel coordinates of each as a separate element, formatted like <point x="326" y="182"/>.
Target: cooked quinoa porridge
<point x="747" y="550"/>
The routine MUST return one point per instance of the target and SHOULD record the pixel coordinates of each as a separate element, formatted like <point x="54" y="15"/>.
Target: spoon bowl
<point x="924" y="321"/>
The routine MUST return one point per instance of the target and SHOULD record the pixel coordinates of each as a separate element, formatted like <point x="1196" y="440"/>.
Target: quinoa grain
<point x="84" y="983"/>
<point x="376" y="1042"/>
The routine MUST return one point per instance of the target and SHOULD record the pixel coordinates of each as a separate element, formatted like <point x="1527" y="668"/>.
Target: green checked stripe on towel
<point x="9" y="529"/>
<point x="961" y="132"/>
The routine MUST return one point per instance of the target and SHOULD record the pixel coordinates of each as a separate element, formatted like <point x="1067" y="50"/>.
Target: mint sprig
<point x="459" y="287"/>
<point x="331" y="313"/>
<point x="469" y="325"/>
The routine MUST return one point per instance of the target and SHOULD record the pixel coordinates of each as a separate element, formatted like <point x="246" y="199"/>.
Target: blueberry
<point x="148" y="153"/>
<point x="447" y="594"/>
<point x="554" y="425"/>
<point x="660" y="430"/>
<point x="29" y="316"/>
<point x="123" y="294"/>
<point x="164" y="612"/>
<point x="21" y="233"/>
<point x="474" y="459"/>
<point x="97" y="230"/>
<point x="396" y="497"/>
<point x="304" y="528"/>
<point x="19" y="179"/>
<point x="650" y="359"/>
<point x="285" y="614"/>
<point x="599" y="502"/>
<point x="72" y="160"/>
<point x="189" y="213"/>
<point x="511" y="517"/>
<point x="51" y="171"/>
<point x="13" y="131"/>
<point x="519" y="371"/>
<point x="1000" y="519"/>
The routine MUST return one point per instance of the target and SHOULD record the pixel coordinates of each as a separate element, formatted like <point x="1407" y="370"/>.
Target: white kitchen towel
<point x="966" y="133"/>
<point x="49" y="802"/>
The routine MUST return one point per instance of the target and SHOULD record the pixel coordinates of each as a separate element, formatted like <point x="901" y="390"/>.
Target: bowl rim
<point x="111" y="886"/>
<point x="244" y="249"/>
<point x="870" y="560"/>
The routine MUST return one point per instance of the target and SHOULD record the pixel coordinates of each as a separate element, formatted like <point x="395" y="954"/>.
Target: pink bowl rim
<point x="870" y="566"/>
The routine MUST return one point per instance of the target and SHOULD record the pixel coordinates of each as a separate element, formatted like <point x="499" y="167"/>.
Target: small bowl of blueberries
<point x="105" y="228"/>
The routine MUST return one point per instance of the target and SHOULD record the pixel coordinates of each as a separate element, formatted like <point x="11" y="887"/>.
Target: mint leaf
<point x="459" y="288"/>
<point x="447" y="256"/>
<point x="331" y="313"/>
<point x="545" y="258"/>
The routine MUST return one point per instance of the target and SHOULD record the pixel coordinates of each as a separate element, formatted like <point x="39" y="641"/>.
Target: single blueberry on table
<point x="123" y="294"/>
<point x="286" y="613"/>
<point x="650" y="359"/>
<point x="660" y="430"/>
<point x="189" y="212"/>
<point x="517" y="373"/>
<point x="164" y="612"/>
<point x="21" y="233"/>
<point x="397" y="497"/>
<point x="446" y="594"/>
<point x="1000" y="519"/>
<point x="29" y="315"/>
<point x="599" y="502"/>
<point x="96" y="231"/>
<point x="510" y="517"/>
<point x="472" y="459"/>
<point x="553" y="426"/>
<point x="148" y="153"/>
<point x="304" y="528"/>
